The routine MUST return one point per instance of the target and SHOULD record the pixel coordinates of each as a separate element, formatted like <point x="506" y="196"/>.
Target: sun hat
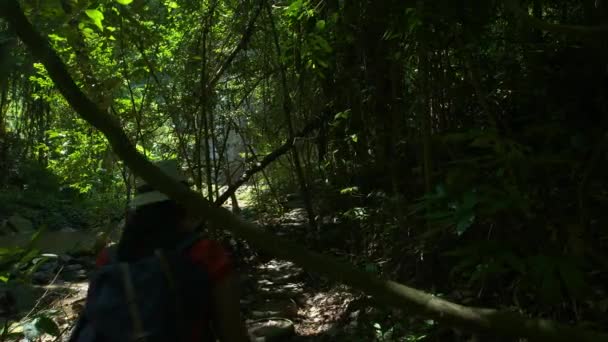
<point x="145" y="194"/>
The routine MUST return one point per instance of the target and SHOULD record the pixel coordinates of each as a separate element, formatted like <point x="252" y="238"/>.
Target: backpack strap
<point x="173" y="287"/>
<point x="132" y="304"/>
<point x="112" y="252"/>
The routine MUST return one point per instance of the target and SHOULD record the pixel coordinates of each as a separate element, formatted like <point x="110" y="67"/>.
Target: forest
<point x="380" y="170"/>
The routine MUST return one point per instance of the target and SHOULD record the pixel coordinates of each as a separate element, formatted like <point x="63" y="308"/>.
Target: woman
<point x="156" y="222"/>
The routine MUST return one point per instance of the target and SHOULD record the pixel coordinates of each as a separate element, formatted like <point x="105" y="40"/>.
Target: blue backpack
<point x="156" y="298"/>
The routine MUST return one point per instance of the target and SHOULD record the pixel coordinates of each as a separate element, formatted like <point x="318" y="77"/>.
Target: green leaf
<point x="342" y="115"/>
<point x="294" y="8"/>
<point x="349" y="190"/>
<point x="56" y="38"/>
<point x="124" y="2"/>
<point x="320" y="25"/>
<point x="172" y="5"/>
<point x="354" y="138"/>
<point x="46" y="325"/>
<point x="96" y="16"/>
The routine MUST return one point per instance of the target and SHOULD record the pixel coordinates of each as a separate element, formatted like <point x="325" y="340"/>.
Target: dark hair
<point x="150" y="227"/>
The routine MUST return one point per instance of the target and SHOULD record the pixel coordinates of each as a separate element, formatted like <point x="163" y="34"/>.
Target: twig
<point x="46" y="292"/>
<point x="62" y="332"/>
<point x="283" y="149"/>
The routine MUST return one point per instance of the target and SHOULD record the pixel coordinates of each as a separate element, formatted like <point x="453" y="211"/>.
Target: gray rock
<point x="5" y="229"/>
<point x="20" y="224"/>
<point x="75" y="275"/>
<point x="271" y="329"/>
<point x="66" y="258"/>
<point x="48" y="266"/>
<point x="41" y="277"/>
<point x="295" y="216"/>
<point x="73" y="268"/>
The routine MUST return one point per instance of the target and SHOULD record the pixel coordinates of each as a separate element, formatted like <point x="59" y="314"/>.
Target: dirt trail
<point x="279" y="288"/>
<point x="282" y="291"/>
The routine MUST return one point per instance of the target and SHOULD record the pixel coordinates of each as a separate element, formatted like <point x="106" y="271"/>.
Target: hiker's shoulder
<point x="211" y="255"/>
<point x="207" y="248"/>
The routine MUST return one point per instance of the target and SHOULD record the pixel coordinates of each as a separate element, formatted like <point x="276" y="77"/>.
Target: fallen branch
<point x="261" y="165"/>
<point x="574" y="30"/>
<point x="386" y="292"/>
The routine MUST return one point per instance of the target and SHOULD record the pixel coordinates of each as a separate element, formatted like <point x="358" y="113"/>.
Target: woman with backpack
<point x="163" y="281"/>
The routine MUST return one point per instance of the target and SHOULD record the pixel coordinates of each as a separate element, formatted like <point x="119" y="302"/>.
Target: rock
<point x="72" y="268"/>
<point x="282" y="308"/>
<point x="20" y="224"/>
<point x="330" y="220"/>
<point x="4" y="228"/>
<point x="47" y="266"/>
<point x="295" y="216"/>
<point x="75" y="275"/>
<point x="41" y="277"/>
<point x="84" y="261"/>
<point x="287" y="291"/>
<point x="66" y="258"/>
<point x="271" y="329"/>
<point x="55" y="242"/>
<point x="16" y="224"/>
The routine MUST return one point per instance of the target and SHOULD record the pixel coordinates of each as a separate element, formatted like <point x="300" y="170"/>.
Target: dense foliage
<point x="462" y="145"/>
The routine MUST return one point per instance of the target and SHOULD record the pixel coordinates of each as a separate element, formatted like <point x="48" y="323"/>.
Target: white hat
<point x="145" y="194"/>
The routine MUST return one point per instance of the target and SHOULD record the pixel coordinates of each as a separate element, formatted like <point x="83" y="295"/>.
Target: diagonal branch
<point x="261" y="165"/>
<point x="385" y="292"/>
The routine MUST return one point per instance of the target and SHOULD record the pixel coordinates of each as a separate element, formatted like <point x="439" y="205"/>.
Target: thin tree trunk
<point x="207" y="151"/>
<point x="425" y="106"/>
<point x="287" y="112"/>
<point x="203" y="122"/>
<point x="235" y="203"/>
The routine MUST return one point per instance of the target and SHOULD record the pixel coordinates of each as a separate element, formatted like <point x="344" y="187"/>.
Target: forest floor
<point x="281" y="289"/>
<point x="280" y="301"/>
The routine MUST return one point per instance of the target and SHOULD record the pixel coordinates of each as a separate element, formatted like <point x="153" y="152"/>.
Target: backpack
<point x="156" y="298"/>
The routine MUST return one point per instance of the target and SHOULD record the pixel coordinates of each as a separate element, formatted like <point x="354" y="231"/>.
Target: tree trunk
<point x="288" y="119"/>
